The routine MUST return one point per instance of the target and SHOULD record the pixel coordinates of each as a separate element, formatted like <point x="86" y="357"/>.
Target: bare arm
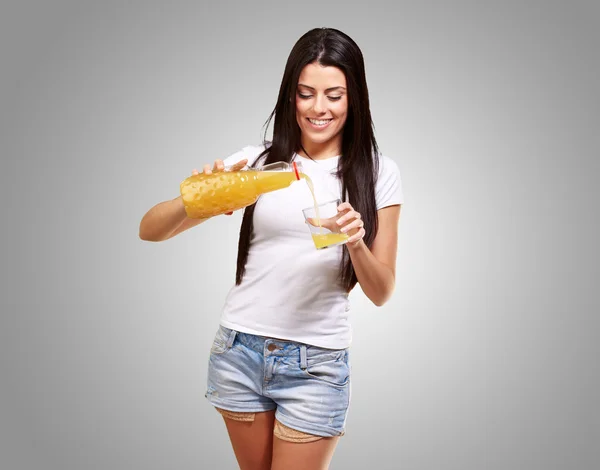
<point x="375" y="268"/>
<point x="165" y="220"/>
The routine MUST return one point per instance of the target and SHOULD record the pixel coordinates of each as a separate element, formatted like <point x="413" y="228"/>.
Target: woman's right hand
<point x="218" y="166"/>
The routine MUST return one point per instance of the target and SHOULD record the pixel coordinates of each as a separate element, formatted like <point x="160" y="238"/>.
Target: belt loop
<point x="231" y="338"/>
<point x="303" y="364"/>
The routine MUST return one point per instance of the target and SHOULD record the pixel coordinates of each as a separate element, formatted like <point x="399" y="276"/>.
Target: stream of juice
<point x="311" y="187"/>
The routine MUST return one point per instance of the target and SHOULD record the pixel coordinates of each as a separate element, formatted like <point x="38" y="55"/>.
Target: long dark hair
<point x="358" y="165"/>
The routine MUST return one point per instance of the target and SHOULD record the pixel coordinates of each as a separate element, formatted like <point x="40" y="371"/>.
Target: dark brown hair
<point x="358" y="165"/>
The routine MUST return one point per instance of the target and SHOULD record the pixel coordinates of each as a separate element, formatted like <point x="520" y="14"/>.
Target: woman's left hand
<point x="351" y="223"/>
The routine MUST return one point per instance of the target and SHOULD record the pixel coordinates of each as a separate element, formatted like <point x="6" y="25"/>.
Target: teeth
<point x="319" y="122"/>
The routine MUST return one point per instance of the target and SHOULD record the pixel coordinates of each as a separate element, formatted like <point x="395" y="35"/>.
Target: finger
<point x="314" y="222"/>
<point x="357" y="224"/>
<point x="207" y="169"/>
<point x="328" y="223"/>
<point x="239" y="165"/>
<point x="348" y="216"/>
<point x="344" y="206"/>
<point x="218" y="166"/>
<point x="331" y="224"/>
<point x="194" y="172"/>
<point x="356" y="237"/>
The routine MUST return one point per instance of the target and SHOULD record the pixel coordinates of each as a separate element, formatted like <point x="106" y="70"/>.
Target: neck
<point x="318" y="151"/>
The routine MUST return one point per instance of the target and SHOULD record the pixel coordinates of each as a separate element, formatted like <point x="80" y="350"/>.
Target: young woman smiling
<point x="279" y="366"/>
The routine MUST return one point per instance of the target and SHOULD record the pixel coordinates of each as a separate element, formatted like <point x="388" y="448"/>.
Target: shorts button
<point x="272" y="347"/>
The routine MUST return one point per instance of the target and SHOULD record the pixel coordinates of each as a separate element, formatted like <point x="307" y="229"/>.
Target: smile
<point x="319" y="122"/>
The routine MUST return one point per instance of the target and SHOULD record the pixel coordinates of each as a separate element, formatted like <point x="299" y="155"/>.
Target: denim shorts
<point x="308" y="386"/>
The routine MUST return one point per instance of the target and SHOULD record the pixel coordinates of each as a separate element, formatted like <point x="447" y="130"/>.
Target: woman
<point x="279" y="369"/>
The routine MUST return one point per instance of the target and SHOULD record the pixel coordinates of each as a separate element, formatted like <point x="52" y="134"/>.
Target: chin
<point x="319" y="137"/>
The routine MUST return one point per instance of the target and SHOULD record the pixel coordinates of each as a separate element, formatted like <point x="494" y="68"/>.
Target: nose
<point x="319" y="106"/>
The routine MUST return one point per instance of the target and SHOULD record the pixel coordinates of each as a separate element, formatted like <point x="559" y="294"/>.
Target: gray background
<point x="487" y="355"/>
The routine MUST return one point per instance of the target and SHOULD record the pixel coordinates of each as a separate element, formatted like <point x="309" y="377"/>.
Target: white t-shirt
<point x="291" y="290"/>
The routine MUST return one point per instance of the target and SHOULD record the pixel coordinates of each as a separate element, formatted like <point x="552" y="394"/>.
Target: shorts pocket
<point x="334" y="372"/>
<point x="221" y="340"/>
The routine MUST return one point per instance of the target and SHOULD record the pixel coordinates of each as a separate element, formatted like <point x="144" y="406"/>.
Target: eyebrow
<point x="328" y="89"/>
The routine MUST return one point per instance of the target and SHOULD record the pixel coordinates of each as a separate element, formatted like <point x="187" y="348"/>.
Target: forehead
<point x="319" y="77"/>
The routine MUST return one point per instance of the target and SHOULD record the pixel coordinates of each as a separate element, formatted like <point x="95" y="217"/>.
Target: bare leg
<point x="315" y="455"/>
<point x="252" y="441"/>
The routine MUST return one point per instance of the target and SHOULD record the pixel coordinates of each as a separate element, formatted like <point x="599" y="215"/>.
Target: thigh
<point x="252" y="441"/>
<point x="303" y="456"/>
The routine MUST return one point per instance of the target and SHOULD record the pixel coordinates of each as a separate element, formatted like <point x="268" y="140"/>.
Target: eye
<point x="334" y="98"/>
<point x="304" y="97"/>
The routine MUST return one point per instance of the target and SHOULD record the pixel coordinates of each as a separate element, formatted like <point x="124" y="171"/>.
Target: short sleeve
<point x="388" y="190"/>
<point x="251" y="152"/>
